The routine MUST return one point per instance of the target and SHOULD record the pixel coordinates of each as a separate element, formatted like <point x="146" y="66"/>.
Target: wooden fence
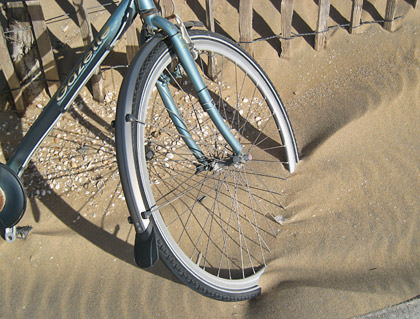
<point x="321" y="32"/>
<point x="49" y="69"/>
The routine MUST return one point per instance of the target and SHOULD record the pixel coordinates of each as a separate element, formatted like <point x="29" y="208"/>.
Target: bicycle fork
<point x="182" y="49"/>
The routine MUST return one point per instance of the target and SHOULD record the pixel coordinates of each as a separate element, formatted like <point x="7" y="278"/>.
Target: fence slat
<point x="322" y="25"/>
<point x="166" y="7"/>
<point x="391" y="8"/>
<point x="87" y="36"/>
<point x="132" y="44"/>
<point x="10" y="75"/>
<point x="287" y="7"/>
<point x="44" y="45"/>
<point x="245" y="24"/>
<point x="356" y="15"/>
<point x="212" y="67"/>
<point x="210" y="15"/>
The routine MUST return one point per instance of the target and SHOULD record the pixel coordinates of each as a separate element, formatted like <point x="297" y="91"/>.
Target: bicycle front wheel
<point x="214" y="225"/>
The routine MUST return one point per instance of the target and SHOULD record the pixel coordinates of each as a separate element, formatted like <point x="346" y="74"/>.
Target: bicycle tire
<point x="182" y="197"/>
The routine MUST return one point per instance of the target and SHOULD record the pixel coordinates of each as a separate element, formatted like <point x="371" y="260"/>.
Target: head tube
<point x="145" y="5"/>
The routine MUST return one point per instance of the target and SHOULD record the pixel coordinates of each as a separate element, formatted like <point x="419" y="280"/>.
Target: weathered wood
<point x="133" y="40"/>
<point x="212" y="63"/>
<point x="87" y="36"/>
<point x="210" y="15"/>
<point x="44" y="45"/>
<point x="287" y="7"/>
<point x="245" y="24"/>
<point x="13" y="82"/>
<point x="391" y="8"/>
<point x="322" y="25"/>
<point x="415" y="3"/>
<point x="356" y="15"/>
<point x="167" y="8"/>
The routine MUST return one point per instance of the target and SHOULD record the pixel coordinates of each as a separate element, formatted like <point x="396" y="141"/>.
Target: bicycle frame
<point x="113" y="29"/>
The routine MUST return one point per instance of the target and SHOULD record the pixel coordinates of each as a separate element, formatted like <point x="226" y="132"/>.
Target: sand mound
<point x="350" y="241"/>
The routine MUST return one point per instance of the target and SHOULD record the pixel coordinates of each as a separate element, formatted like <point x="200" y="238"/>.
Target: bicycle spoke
<point x="229" y="196"/>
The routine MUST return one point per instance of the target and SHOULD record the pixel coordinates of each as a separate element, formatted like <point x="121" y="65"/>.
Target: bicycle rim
<point x="217" y="223"/>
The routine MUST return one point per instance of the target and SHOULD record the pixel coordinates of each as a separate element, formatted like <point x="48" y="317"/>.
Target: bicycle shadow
<point x="250" y="131"/>
<point x="66" y="211"/>
<point x="104" y="240"/>
<point x="240" y="122"/>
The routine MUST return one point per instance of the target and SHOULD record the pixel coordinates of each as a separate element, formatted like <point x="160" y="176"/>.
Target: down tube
<point x="68" y="91"/>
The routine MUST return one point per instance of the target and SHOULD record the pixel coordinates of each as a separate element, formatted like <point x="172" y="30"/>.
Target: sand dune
<point x="350" y="241"/>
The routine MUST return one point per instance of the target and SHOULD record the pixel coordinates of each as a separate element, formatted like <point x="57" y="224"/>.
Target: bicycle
<point x="202" y="139"/>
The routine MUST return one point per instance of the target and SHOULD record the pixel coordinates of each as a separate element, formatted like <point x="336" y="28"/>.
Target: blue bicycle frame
<point x="11" y="189"/>
<point x="113" y="29"/>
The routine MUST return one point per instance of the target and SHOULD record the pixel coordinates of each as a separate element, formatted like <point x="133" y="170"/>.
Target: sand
<point x="349" y="244"/>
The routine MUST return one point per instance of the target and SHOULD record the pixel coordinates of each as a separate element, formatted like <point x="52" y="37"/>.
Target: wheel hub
<point x="237" y="161"/>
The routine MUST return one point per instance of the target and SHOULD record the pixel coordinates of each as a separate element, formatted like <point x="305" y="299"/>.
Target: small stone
<point x="100" y="185"/>
<point x="108" y="97"/>
<point x="280" y="219"/>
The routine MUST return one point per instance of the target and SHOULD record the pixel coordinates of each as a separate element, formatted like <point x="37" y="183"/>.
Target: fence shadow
<point x="335" y="14"/>
<point x="200" y="12"/>
<point x="370" y="8"/>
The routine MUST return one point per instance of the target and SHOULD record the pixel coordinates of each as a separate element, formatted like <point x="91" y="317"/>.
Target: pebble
<point x="280" y="219"/>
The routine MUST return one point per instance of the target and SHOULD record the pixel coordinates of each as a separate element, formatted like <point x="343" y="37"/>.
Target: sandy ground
<point x="350" y="241"/>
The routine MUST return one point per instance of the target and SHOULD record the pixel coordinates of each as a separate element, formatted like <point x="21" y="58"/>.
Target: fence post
<point x="44" y="45"/>
<point x="6" y="64"/>
<point x="322" y="25"/>
<point x="356" y="15"/>
<point x="287" y="7"/>
<point x="87" y="36"/>
<point x="391" y="7"/>
<point x="245" y="24"/>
